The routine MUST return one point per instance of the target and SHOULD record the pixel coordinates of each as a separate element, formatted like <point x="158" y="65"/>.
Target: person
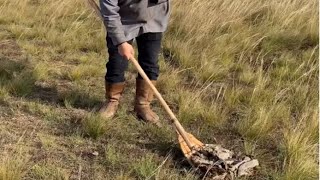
<point x="126" y="20"/>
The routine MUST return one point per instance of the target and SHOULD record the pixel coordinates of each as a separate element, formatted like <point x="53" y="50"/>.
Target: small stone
<point x="246" y="168"/>
<point x="95" y="153"/>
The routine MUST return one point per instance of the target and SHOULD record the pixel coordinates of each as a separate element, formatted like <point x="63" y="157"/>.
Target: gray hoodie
<point x="127" y="19"/>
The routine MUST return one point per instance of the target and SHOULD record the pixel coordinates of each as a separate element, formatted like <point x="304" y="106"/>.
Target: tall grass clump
<point x="13" y="166"/>
<point x="300" y="147"/>
<point x="93" y="125"/>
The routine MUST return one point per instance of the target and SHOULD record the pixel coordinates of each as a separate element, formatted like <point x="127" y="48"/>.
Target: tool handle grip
<point x="174" y="119"/>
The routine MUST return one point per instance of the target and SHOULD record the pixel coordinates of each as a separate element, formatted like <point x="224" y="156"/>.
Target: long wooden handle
<point x="175" y="121"/>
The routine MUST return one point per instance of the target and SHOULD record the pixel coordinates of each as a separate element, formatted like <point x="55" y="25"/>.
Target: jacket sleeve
<point x="112" y="20"/>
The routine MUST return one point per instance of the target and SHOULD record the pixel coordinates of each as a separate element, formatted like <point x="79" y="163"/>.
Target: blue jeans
<point x="149" y="45"/>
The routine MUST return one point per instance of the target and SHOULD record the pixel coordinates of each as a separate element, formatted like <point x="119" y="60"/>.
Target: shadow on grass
<point x="19" y="78"/>
<point x="166" y="148"/>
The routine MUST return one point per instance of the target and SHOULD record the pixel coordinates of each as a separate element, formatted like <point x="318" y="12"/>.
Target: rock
<point x="217" y="162"/>
<point x="95" y="153"/>
<point x="247" y="167"/>
<point x="236" y="166"/>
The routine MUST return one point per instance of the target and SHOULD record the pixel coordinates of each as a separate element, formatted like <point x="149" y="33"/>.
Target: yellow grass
<point x="242" y="72"/>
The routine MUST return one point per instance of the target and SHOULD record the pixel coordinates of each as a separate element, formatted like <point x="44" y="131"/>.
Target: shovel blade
<point x="184" y="147"/>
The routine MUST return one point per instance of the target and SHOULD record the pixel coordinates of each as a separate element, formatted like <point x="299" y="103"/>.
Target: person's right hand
<point x="126" y="50"/>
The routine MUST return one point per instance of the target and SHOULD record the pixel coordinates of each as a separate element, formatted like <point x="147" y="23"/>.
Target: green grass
<point x="240" y="73"/>
<point x="145" y="168"/>
<point x="48" y="171"/>
<point x="94" y="126"/>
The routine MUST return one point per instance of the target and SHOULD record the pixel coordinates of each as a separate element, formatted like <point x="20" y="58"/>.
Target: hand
<point x="126" y="50"/>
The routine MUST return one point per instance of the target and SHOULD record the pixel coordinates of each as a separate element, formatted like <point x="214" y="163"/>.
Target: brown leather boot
<point x="113" y="94"/>
<point x="144" y="96"/>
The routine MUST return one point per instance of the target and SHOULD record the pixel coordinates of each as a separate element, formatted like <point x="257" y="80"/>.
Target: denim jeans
<point x="149" y="45"/>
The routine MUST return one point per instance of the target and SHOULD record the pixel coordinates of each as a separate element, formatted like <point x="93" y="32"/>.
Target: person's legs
<point x="149" y="46"/>
<point x="117" y="65"/>
<point x="114" y="80"/>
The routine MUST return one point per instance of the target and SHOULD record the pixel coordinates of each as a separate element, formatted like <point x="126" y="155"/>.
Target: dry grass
<point x="242" y="73"/>
<point x="13" y="166"/>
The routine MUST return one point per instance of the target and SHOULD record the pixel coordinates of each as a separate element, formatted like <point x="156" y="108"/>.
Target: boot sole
<point x="157" y="123"/>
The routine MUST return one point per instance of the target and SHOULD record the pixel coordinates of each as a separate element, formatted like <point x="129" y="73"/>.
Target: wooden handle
<point x="175" y="121"/>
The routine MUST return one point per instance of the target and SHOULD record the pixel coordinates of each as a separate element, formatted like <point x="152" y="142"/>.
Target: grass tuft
<point x="94" y="125"/>
<point x="13" y="166"/>
<point x="145" y="168"/>
<point x="48" y="171"/>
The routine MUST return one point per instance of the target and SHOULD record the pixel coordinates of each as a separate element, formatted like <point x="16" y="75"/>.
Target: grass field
<point x="240" y="73"/>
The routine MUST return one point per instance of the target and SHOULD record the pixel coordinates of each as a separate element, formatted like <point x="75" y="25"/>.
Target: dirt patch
<point x="10" y="49"/>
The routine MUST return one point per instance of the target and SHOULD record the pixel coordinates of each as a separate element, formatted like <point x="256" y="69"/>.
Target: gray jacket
<point x="127" y="19"/>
